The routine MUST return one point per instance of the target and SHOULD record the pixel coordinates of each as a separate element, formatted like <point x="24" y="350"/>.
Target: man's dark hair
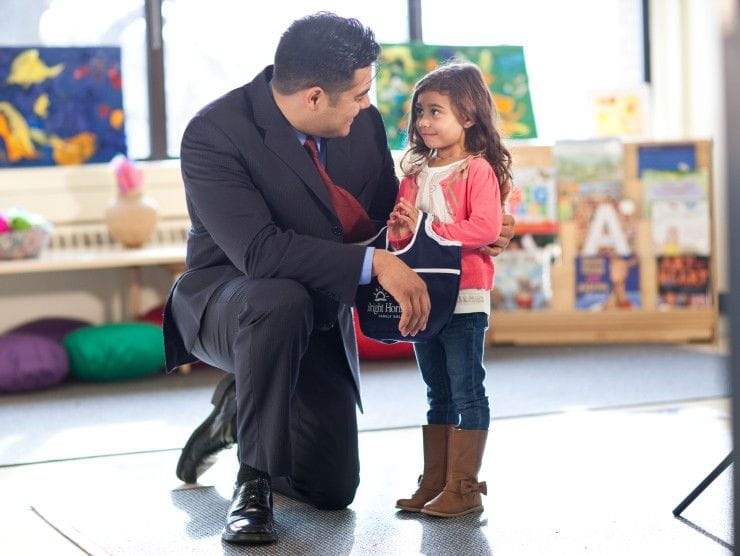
<point x="322" y="50"/>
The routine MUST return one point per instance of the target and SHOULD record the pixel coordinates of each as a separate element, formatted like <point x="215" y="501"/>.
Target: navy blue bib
<point x="437" y="261"/>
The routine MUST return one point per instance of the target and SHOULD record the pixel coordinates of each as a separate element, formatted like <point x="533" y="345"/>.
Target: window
<point x="211" y="48"/>
<point x="571" y="48"/>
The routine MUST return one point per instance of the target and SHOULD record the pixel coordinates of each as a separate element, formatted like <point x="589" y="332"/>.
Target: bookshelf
<point x="562" y="323"/>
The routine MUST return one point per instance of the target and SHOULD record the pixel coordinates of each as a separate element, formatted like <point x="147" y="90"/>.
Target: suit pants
<point x="296" y="402"/>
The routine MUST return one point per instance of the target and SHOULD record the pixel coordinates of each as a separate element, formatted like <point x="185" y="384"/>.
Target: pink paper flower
<point x="128" y="176"/>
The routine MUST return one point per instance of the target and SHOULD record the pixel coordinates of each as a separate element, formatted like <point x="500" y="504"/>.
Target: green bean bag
<point x="115" y="351"/>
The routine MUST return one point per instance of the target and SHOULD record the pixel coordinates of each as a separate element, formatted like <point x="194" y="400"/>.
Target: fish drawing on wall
<point x="60" y="106"/>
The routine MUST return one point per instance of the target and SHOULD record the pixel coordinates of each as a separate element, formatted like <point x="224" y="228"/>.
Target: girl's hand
<point x="408" y="212"/>
<point x="398" y="226"/>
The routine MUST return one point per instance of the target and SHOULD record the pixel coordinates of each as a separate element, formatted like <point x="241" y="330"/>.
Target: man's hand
<point x="407" y="288"/>
<point x="507" y="232"/>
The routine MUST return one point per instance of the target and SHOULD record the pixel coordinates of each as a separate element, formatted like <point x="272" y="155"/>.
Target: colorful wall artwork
<point x="401" y="65"/>
<point x="60" y="106"/>
<point x="621" y="112"/>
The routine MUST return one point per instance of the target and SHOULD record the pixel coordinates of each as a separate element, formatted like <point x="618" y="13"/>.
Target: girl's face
<point x="439" y="126"/>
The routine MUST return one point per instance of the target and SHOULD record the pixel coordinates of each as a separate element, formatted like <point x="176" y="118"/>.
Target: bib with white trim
<point x="437" y="261"/>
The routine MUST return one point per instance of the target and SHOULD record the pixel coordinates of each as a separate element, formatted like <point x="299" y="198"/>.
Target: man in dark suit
<point x="281" y="175"/>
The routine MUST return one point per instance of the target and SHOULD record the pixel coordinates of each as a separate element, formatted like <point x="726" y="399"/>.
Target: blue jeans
<point x="452" y="367"/>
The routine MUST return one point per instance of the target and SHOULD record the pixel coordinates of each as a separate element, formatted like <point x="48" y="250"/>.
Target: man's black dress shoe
<point x="250" y="514"/>
<point x="212" y="435"/>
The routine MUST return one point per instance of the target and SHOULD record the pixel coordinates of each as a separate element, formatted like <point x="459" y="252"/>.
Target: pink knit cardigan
<point x="473" y="200"/>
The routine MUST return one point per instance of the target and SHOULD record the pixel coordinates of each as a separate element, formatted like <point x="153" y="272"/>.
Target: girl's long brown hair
<point x="471" y="100"/>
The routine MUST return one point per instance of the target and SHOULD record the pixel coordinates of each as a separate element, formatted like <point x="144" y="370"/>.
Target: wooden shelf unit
<point x="563" y="324"/>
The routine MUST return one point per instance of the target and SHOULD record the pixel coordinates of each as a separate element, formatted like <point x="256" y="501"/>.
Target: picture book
<point x="605" y="226"/>
<point x="666" y="157"/>
<point x="673" y="186"/>
<point x="522" y="280"/>
<point x="572" y="193"/>
<point x="683" y="281"/>
<point x="533" y="200"/>
<point x="593" y="160"/>
<point x="606" y="282"/>
<point x="680" y="227"/>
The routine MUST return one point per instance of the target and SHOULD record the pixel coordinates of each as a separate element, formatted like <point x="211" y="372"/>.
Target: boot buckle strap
<point x="469" y="487"/>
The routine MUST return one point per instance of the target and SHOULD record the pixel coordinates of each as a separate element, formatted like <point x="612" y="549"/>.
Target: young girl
<point x="454" y="171"/>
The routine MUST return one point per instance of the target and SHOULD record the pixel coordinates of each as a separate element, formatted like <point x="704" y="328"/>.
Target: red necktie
<point x="355" y="222"/>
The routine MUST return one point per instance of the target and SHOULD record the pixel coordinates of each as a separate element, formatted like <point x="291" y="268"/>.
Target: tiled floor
<point x="600" y="482"/>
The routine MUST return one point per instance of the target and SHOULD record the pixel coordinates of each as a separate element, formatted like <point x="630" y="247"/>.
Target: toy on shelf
<point x="22" y="234"/>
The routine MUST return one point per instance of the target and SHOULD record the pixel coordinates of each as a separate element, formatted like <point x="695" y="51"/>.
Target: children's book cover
<point x="680" y="227"/>
<point x="683" y="281"/>
<point x="572" y="193"/>
<point x="522" y="281"/>
<point x="533" y="201"/>
<point x="673" y="186"/>
<point x="400" y="66"/>
<point x="677" y="158"/>
<point x="606" y="282"/>
<point x="593" y="160"/>
<point x="60" y="106"/>
<point x="605" y="226"/>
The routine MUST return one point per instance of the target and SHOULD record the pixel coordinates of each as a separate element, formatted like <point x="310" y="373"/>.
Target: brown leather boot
<point x="461" y="494"/>
<point x="432" y="481"/>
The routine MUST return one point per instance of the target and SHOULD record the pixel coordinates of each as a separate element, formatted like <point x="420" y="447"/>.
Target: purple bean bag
<point x="29" y="362"/>
<point x="53" y="328"/>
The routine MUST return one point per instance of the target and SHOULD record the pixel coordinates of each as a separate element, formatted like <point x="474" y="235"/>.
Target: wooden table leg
<point x="134" y="293"/>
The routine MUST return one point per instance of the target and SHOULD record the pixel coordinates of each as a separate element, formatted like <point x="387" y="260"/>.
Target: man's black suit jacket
<point x="259" y="208"/>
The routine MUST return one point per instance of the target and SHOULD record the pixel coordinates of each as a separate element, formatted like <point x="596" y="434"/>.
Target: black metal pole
<point x="646" y="76"/>
<point x="415" y="21"/>
<point x="703" y="485"/>
<point x="155" y="73"/>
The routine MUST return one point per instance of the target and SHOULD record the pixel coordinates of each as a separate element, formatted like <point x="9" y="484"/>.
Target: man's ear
<point x="313" y="96"/>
